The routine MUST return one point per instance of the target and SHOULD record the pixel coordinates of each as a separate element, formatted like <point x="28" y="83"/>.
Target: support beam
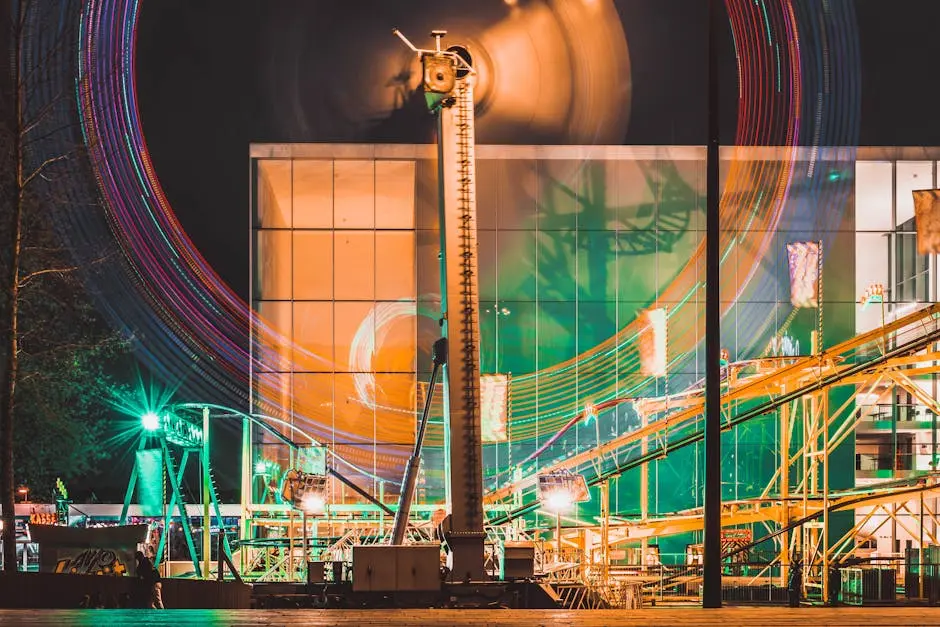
<point x="711" y="584"/>
<point x="206" y="499"/>
<point x="175" y="477"/>
<point x="784" y="474"/>
<point x="131" y="484"/>
<point x="410" y="479"/>
<point x="349" y="483"/>
<point x="605" y="529"/>
<point x="920" y="550"/>
<point x="168" y="505"/>
<point x="824" y="402"/>
<point x="248" y="497"/>
<point x="176" y="483"/>
<point x="644" y="491"/>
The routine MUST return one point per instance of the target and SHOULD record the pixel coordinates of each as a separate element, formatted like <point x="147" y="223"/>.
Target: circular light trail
<point x="798" y="89"/>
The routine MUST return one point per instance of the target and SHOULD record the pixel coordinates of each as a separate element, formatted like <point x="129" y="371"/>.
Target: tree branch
<point x="40" y="116"/>
<point x="34" y="139"/>
<point x="42" y="166"/>
<point x="32" y="275"/>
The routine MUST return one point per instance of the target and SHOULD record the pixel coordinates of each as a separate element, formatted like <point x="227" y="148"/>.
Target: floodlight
<point x="304" y="491"/>
<point x="561" y="489"/>
<point x="150" y="421"/>
<point x="313" y="503"/>
<point x="559" y="500"/>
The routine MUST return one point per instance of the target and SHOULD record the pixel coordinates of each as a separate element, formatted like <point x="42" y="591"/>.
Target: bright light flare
<point x="559" y="501"/>
<point x="313" y="503"/>
<point x="150" y="421"/>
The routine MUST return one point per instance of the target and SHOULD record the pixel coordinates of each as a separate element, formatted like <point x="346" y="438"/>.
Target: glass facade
<point x="335" y="281"/>
<point x="886" y="235"/>
<point x="575" y="244"/>
<point x="897" y="433"/>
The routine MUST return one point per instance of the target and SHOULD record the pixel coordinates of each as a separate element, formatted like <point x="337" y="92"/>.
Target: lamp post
<point x="711" y="584"/>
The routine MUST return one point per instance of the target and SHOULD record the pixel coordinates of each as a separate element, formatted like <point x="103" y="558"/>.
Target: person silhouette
<point x="795" y="585"/>
<point x="150" y="576"/>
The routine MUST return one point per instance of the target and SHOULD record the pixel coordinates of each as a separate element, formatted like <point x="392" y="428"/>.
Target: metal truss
<point x="796" y="504"/>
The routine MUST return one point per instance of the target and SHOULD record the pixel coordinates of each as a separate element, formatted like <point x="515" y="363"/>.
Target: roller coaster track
<point x="800" y="377"/>
<point x="869" y="496"/>
<point x="275" y="427"/>
<point x="753" y="511"/>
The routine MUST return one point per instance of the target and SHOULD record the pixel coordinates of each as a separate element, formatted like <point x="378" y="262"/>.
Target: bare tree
<point x="12" y="199"/>
<point x="42" y="305"/>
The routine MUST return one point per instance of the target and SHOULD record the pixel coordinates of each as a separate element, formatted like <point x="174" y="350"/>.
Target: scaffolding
<point x="165" y="435"/>
<point x="796" y="504"/>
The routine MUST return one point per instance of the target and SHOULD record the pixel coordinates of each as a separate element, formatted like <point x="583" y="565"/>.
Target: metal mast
<point x="448" y="85"/>
<point x="460" y="305"/>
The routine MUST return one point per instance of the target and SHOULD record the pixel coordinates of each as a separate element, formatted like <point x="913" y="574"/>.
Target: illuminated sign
<point x="803" y="259"/>
<point x="927" y="220"/>
<point x="651" y="342"/>
<point x="181" y="432"/>
<point x="494" y="398"/>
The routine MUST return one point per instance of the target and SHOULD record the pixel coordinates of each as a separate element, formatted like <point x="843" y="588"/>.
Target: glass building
<point x="576" y="243"/>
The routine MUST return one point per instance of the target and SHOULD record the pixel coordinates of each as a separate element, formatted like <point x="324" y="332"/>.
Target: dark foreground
<point x="726" y="617"/>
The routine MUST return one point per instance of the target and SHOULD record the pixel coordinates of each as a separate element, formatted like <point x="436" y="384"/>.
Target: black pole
<point x="349" y="483"/>
<point x="414" y="462"/>
<point x="711" y="584"/>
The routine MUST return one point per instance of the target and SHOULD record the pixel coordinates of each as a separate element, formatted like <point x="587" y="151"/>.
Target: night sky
<point x="211" y="78"/>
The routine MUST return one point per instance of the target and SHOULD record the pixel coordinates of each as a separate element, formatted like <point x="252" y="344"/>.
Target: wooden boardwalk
<point x="659" y="617"/>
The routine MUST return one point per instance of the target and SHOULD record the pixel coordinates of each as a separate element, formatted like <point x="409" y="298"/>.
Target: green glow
<point x="150" y="421"/>
<point x="143" y="406"/>
<point x="181" y="432"/>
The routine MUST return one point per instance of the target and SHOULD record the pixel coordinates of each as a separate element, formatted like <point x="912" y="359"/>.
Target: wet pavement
<point x="658" y="617"/>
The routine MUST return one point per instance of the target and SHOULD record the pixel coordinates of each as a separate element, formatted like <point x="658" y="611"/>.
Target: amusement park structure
<point x="810" y="396"/>
<point x="794" y="510"/>
<point x="448" y="79"/>
<point x="490" y="530"/>
<point x="565" y="499"/>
